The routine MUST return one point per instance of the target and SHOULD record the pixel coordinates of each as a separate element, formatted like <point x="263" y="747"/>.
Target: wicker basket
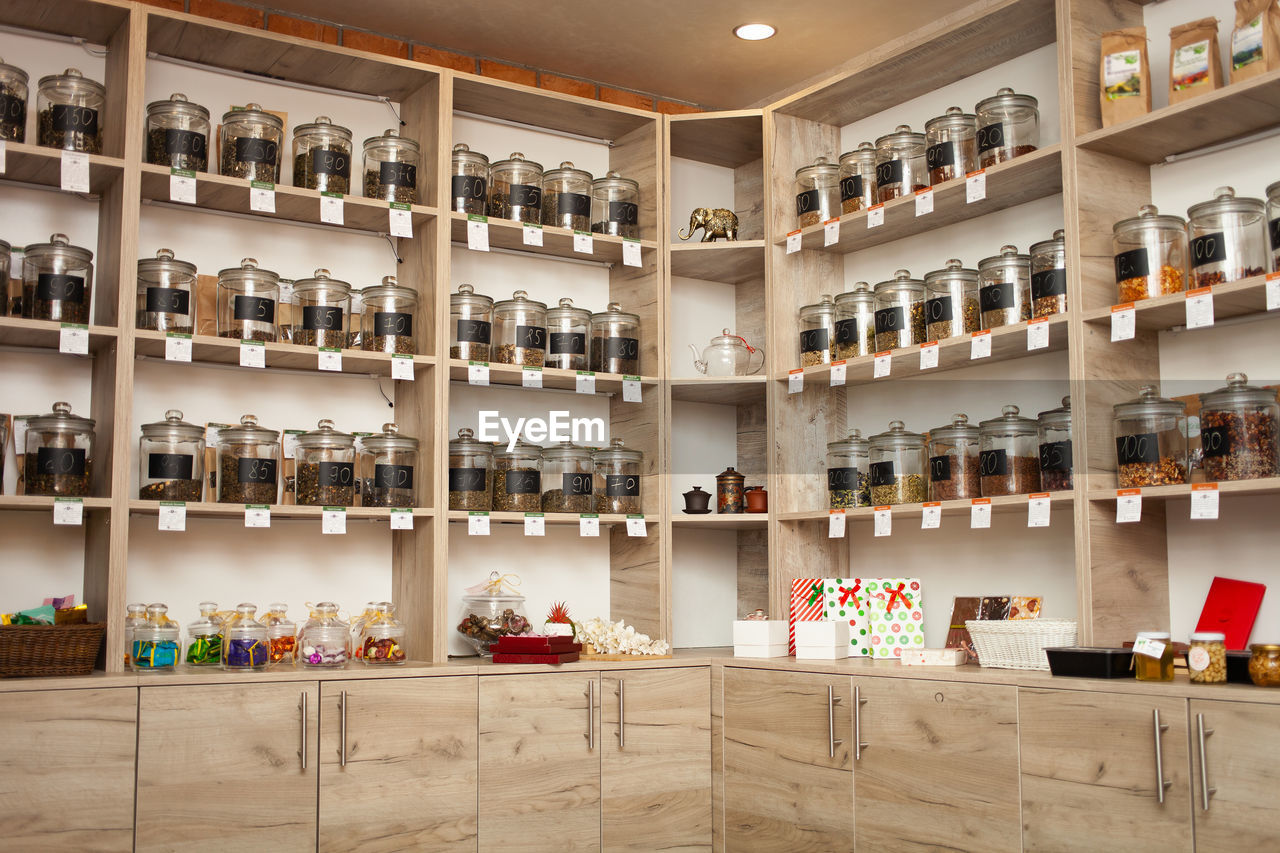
<point x="28" y="651"/>
<point x="1019" y="644"/>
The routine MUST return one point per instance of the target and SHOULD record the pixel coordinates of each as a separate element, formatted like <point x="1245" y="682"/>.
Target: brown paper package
<point x="1187" y="35"/>
<point x="1267" y="12"/>
<point x="1130" y="98"/>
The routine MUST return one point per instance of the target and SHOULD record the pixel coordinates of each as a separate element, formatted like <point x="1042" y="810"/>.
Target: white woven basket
<point x="1019" y="644"/>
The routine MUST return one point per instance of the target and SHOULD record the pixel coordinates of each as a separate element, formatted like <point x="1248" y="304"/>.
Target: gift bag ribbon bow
<point x="846" y="593"/>
<point x="815" y="592"/>
<point x="898" y="595"/>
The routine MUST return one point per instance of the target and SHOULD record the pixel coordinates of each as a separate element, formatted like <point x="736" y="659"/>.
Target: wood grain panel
<point x="636" y="155"/>
<point x="1241" y="768"/>
<point x="728" y="139"/>
<point x="1081" y="24"/>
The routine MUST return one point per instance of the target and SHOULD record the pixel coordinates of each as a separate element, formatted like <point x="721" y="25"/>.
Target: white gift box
<point x="772" y="651"/>
<point x="932" y="657"/>
<point x="823" y="635"/>
<point x="821" y="652"/>
<point x="759" y="632"/>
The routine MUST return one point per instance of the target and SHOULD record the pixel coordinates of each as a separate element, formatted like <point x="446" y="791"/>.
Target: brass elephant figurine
<point x="714" y="222"/>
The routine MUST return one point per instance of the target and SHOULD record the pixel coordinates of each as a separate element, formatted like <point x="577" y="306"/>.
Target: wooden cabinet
<point x="227" y="767"/>
<point x="69" y="765"/>
<point x="938" y="768"/>
<point x="1239" y="755"/>
<point x="398" y="765"/>
<point x="655" y="755"/>
<point x="1090" y="764"/>
<point x="788" y="756"/>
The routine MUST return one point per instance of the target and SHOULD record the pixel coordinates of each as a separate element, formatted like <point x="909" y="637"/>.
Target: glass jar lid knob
<point x="614" y="307"/>
<point x="566" y="164"/>
<point x="466" y="432"/>
<point x="323" y="120"/>
<point x="248" y="263"/>
<point x="1059" y="234"/>
<point x="1224" y="192"/>
<point x="1010" y="411"/>
<point x="897" y="426"/>
<point x="861" y="286"/>
<point x="320" y="274"/>
<point x="252" y="106"/>
<point x="390" y="429"/>
<point x="178" y="97"/>
<point x="960" y="418"/>
<point x="249" y="420"/>
<point x="1004" y="90"/>
<point x="164" y="254"/>
<point x="461" y="147"/>
<point x="517" y="156"/>
<point x="1148" y="210"/>
<point x="466" y="288"/>
<point x="1008" y="251"/>
<point x="62" y="408"/>
<point x="903" y="128"/>
<point x="955" y="111"/>
<point x="72" y="72"/>
<point x="1235" y="380"/>
<point x="325" y="424"/>
<point x="566" y="302"/>
<point x="520" y="295"/>
<point x="388" y="279"/>
<point x="173" y="415"/>
<point x="955" y="264"/>
<point x="59" y="240"/>
<point x="244" y="608"/>
<point x="902" y="275"/>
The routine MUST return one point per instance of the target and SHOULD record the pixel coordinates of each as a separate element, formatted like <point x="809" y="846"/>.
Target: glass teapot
<point x="727" y="355"/>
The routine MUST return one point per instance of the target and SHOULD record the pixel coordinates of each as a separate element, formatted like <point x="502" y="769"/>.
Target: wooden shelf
<point x="725" y="262"/>
<point x="540" y="108"/>
<point x="210" y="350"/>
<point x="728" y="390"/>
<point x="552" y="518"/>
<point x="716" y="521"/>
<point x="1233" y="299"/>
<point x="14" y="331"/>
<point x="1267" y="486"/>
<point x="40" y="503"/>
<point x="728" y="139"/>
<point x="31" y="164"/>
<point x="95" y="21"/>
<point x="552" y="377"/>
<point x="1003" y="505"/>
<point x="278" y="511"/>
<point x="556" y="242"/>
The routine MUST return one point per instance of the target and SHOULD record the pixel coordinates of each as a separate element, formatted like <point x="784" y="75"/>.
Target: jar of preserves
<point x="817" y="331"/>
<point x="817" y="191"/>
<point x="1228" y="238"/>
<point x="248" y="463"/>
<point x="471" y="322"/>
<point x="204" y="637"/>
<point x="325" y="639"/>
<point x="619" y="476"/>
<point x="1054" y="428"/>
<point x="325" y="463"/>
<point x="856" y="322"/>
<point x="58" y="456"/>
<point x="382" y="637"/>
<point x="615" y="341"/>
<point x="1239" y="436"/>
<point x="901" y="164"/>
<point x="469" y="180"/>
<point x="491" y="610"/>
<point x="567" y="478"/>
<point x="1151" y="254"/>
<point x="615" y="206"/>
<point x="322" y="307"/>
<point x="1009" y="461"/>
<point x="899" y="312"/>
<point x="282" y="634"/>
<point x="1264" y="664"/>
<point x="1273" y="224"/>
<point x="521" y="331"/>
<point x="391" y="167"/>
<point x="171" y="460"/>
<point x="849" y="472"/>
<point x="1207" y="658"/>
<point x="951" y="307"/>
<point x="247" y="297"/>
<point x="954" y="460"/>
<point x="57" y="281"/>
<point x="386" y="317"/>
<point x="1154" y="668"/>
<point x="952" y="145"/>
<point x="155" y="641"/>
<point x="1151" y="440"/>
<point x="858" y="178"/>
<point x="322" y="156"/>
<point x="515" y="190"/>
<point x="1049" y="276"/>
<point x="165" y="287"/>
<point x="13" y="103"/>
<point x="566" y="198"/>
<point x="388" y="467"/>
<point x="567" y="330"/>
<point x="470" y="473"/>
<point x="135" y="615"/>
<point x="178" y="134"/>
<point x="251" y="141"/>
<point x="1004" y="297"/>
<point x="245" y="644"/>
<point x="1008" y="127"/>
<point x="897" y="466"/>
<point x="69" y="112"/>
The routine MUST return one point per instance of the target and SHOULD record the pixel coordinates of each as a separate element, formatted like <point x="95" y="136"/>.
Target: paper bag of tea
<point x="1125" y="75"/>
<point x="1255" y="39"/>
<point x="1195" y="64"/>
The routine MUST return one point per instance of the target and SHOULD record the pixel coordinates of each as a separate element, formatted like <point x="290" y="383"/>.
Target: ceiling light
<point x="754" y="32"/>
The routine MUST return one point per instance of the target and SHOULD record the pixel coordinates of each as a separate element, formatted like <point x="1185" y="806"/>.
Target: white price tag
<point x="531" y="377"/>
<point x="401" y="220"/>
<point x="534" y="524"/>
<point x="1204" y="501"/>
<point x="262" y="197"/>
<point x="402" y="519"/>
<point x="331" y="359"/>
<point x="831" y="232"/>
<point x="1199" y="308"/>
<point x="73" y="339"/>
<point x="331" y="208"/>
<point x="585" y="382"/>
<point x="836" y="524"/>
<point x="1128" y="505"/>
<point x="583" y="242"/>
<point x="75" y="171"/>
<point x="2" y="156"/>
<point x="68" y="511"/>
<point x="1037" y="333"/>
<point x="980" y="345"/>
<point x="1273" y="291"/>
<point x="333" y="519"/>
<point x="173" y="515"/>
<point x="177" y="347"/>
<point x="631" y="392"/>
<point x="478" y="372"/>
<point x="795" y="380"/>
<point x="630" y="252"/>
<point x="636" y="526"/>
<point x="929" y="355"/>
<point x="980" y="513"/>
<point x="257" y="515"/>
<point x="402" y="367"/>
<point x="589" y="524"/>
<point x="1038" y="510"/>
<point x="477" y="233"/>
<point x="839" y="369"/>
<point x="182" y="186"/>
<point x="883" y="521"/>
<point x="931" y="516"/>
<point x="875" y="216"/>
<point x="793" y="241"/>
<point x="1124" y="322"/>
<point x="253" y="354"/>
<point x="975" y="187"/>
<point x="924" y="202"/>
<point x="477" y="524"/>
<point x="1149" y="647"/>
<point x="881" y="364"/>
<point x="532" y="234"/>
<point x="290" y="440"/>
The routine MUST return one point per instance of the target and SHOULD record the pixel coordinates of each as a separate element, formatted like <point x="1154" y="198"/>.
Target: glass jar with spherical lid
<point x="954" y="460"/>
<point x="951" y="306"/>
<point x="898" y="466"/>
<point x="325" y="639"/>
<point x="615" y="341"/>
<point x="567" y="330"/>
<point x="57" y="281"/>
<point x="325" y="467"/>
<point x="323" y="306"/>
<point x="282" y="634"/>
<point x="515" y="189"/>
<point x="817" y="331"/>
<point x="251" y="142"/>
<point x="901" y="164"/>
<point x="858" y="178"/>
<point x="58" y="457"/>
<point x="386" y="317"/>
<point x="1049" y="275"/>
<point x="388" y="469"/>
<point x="382" y="637"/>
<point x="470" y="324"/>
<point x="1151" y="440"/>
<point x="491" y="610"/>
<point x="849" y="472"/>
<point x="204" y="637"/>
<point x="470" y="473"/>
<point x="1151" y="254"/>
<point x="856" y="322"/>
<point x="178" y="134"/>
<point x="566" y="198"/>
<point x="171" y="460"/>
<point x="155" y="641"/>
<point x="1054" y="427"/>
<point x="246" y="304"/>
<point x="619" y="474"/>
<point x="817" y="192"/>
<point x="246" y="646"/>
<point x="521" y="331"/>
<point x="248" y="463"/>
<point x="615" y="206"/>
<point x="13" y="103"/>
<point x="1239" y="432"/>
<point x="1008" y="127"/>
<point x="567" y="478"/>
<point x="391" y="164"/>
<point x="70" y="112"/>
<point x="469" y="180"/>
<point x="1228" y="238"/>
<point x="322" y="156"/>
<point x="952" y="145"/>
<point x="164" y="296"/>
<point x="1009" y="462"/>
<point x="900" y="318"/>
<point x="517" y="478"/>
<point x="1004" y="297"/>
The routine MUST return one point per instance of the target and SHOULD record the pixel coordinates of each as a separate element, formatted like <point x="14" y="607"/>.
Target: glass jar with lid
<point x="13" y="103"/>
<point x="615" y="341"/>
<point x="1151" y="254"/>
<point x="178" y="134"/>
<point x="567" y="478"/>
<point x="382" y="637"/>
<point x="567" y="330"/>
<point x="566" y="198"/>
<point x="901" y="164"/>
<point x="165" y="288"/>
<point x="245" y="644"/>
<point x="515" y="190"/>
<point x="490" y="610"/>
<point x="817" y="191"/>
<point x="1049" y="276"/>
<point x="470" y="472"/>
<point x="282" y="634"/>
<point x="57" y="281"/>
<point x="251" y="142"/>
<point x="69" y="112"/>
<point x="1239" y="435"/>
<point x="247" y="297"/>
<point x="322" y="156"/>
<point x="899" y="312"/>
<point x="7" y="257"/>
<point x="469" y="180"/>
<point x="248" y="463"/>
<point x="204" y="637"/>
<point x="521" y="331"/>
<point x="135" y="616"/>
<point x="1264" y="664"/>
<point x="389" y="464"/>
<point x="728" y="355"/>
<point x="517" y="478"/>
<point x="325" y="639"/>
<point x="1004" y="295"/>
<point x="322" y="305"/>
<point x="1008" y="126"/>
<point x="615" y="206"/>
<point x="325" y="463"/>
<point x="1207" y="657"/>
<point x="817" y="331"/>
<point x="471" y="322"/>
<point x="1228" y="238"/>
<point x="1151" y="440"/>
<point x="856" y="322"/>
<point x="386" y="317"/>
<point x="58" y="456"/>
<point x="155" y="641"/>
<point x="858" y="178"/>
<point x="898" y="466"/>
<point x="171" y="460"/>
<point x="357" y="625"/>
<point x="951" y="306"/>
<point x="1154" y="667"/>
<point x="1009" y="461"/>
<point x="849" y="472"/>
<point x="1054" y="428"/>
<point x="954" y="460"/>
<point x="618" y="478"/>
<point x="1273" y="224"/>
<point x="952" y="145"/>
<point x="391" y="164"/>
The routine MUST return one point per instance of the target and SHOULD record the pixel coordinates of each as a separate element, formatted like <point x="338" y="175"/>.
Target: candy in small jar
<point x="204" y="637"/>
<point x="282" y="634"/>
<point x="155" y="641"/>
<point x="1207" y="658"/>
<point x="135" y="616"/>
<point x="382" y="637"/>
<point x="245" y="645"/>
<point x="325" y="638"/>
<point x="492" y="609"/>
<point x="357" y="627"/>
<point x="1264" y="664"/>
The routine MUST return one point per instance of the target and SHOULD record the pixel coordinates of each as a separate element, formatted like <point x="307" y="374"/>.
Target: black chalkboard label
<point x="995" y="297"/>
<point x="390" y="323"/>
<point x="813" y="340"/>
<point x="621" y="486"/>
<point x="622" y="348"/>
<point x="1132" y="264"/>
<point x="624" y="212"/>
<point x="393" y="476"/>
<point x="257" y="309"/>
<point x="170" y="466"/>
<point x="523" y="195"/>
<point x="850" y="187"/>
<point x="1055" y="456"/>
<point x="321" y="317"/>
<point x="889" y="172"/>
<point x="72" y="119"/>
<point x="939" y="469"/>
<point x="882" y="474"/>
<point x="808" y="201"/>
<point x="251" y="150"/>
<point x="398" y="174"/>
<point x="13" y="110"/>
<point x="531" y="337"/>
<point x="842" y="478"/>
<point x="335" y="473"/>
<point x="567" y="343"/>
<point x="469" y="186"/>
<point x="185" y="143"/>
<point x="575" y="484"/>
<point x="1274" y="227"/>
<point x="891" y="319"/>
<point x="942" y="154"/>
<point x="573" y="204"/>
<point x="991" y="136"/>
<point x="256" y="470"/>
<point x="847" y="331"/>
<point x="327" y="161"/>
<point x="993" y="463"/>
<point x="60" y="460"/>
<point x="466" y="479"/>
<point x="474" y="331"/>
<point x="53" y="287"/>
<point x="1143" y="447"/>
<point x="1215" y="441"/>
<point x="168" y="300"/>
<point x="1048" y="283"/>
<point x="1208" y="249"/>
<point x="522" y="482"/>
<point x="938" y="309"/>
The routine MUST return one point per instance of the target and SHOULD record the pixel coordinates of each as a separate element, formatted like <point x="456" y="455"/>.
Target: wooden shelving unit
<point x="210" y="350"/>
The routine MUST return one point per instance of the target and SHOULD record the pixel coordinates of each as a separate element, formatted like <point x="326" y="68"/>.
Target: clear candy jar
<point x="247" y="298"/>
<point x="155" y="641"/>
<point x="1207" y="658"/>
<point x="248" y="463"/>
<point x="322" y="307"/>
<point x="899" y="312"/>
<point x="817" y="191"/>
<point x="1228" y="238"/>
<point x="471" y="324"/>
<point x="1008" y="127"/>
<point x="469" y="180"/>
<point x="165" y="288"/>
<point x="1009" y="462"/>
<point x="57" y="281"/>
<point x="1273" y="224"/>
<point x="58" y="458"/>
<point x="357" y="625"/>
<point x="849" y="472"/>
<point x="135" y="616"/>
<point x="1151" y="254"/>
<point x="901" y="164"/>
<point x="1054" y="433"/>
<point x="521" y="331"/>
<point x="69" y="112"/>
<point x="1049" y="276"/>
<point x="171" y="460"/>
<point x="382" y="637"/>
<point x="817" y="331"/>
<point x="567" y="330"/>
<point x="566" y="198"/>
<point x="386" y="317"/>
<point x="1004" y="297"/>
<point x="490" y="610"/>
<point x="951" y="307"/>
<point x="615" y="341"/>
<point x="1239" y="435"/>
<point x="515" y="190"/>
<point x="618" y="479"/>
<point x="325" y="639"/>
<point x="391" y="167"/>
<point x="325" y="467"/>
<point x="389" y="465"/>
<point x="322" y="156"/>
<point x="898" y="466"/>
<point x="204" y="637"/>
<point x="251" y="143"/>
<point x="1151" y="440"/>
<point x="567" y="478"/>
<point x="856" y="322"/>
<point x="615" y="206"/>
<point x="952" y="145"/>
<point x="13" y="103"/>
<point x="282" y="634"/>
<point x="954" y="460"/>
<point x="517" y="478"/>
<point x="858" y="178"/>
<point x="178" y="134"/>
<point x="470" y="473"/>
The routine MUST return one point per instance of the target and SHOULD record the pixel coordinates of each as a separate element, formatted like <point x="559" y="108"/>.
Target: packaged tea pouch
<point x="1255" y="39"/>
<point x="1195" y="64"/>
<point x="1125" y="76"/>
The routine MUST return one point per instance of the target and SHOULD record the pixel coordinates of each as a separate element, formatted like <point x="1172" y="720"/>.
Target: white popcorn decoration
<point x="617" y="638"/>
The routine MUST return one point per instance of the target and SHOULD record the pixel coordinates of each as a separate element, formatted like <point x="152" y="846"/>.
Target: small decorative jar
<point x="898" y="466"/>
<point x="567" y="478"/>
<point x="1207" y="658"/>
<point x="729" y="499"/>
<point x="615" y="206"/>
<point x="13" y="103"/>
<point x="1151" y="254"/>
<point x="1054" y="428"/>
<point x="856" y="322"/>
<point x="1004" y="297"/>
<point x="155" y="641"/>
<point x="1009" y="462"/>
<point x="901" y="165"/>
<point x="69" y="112"/>
<point x="382" y="637"/>
<point x="248" y="463"/>
<point x="471" y="322"/>
<point x="1228" y="238"/>
<point x="245" y="645"/>
<point x="1049" y="276"/>
<point x="491" y="610"/>
<point x="470" y="473"/>
<point x="566" y="198"/>
<point x="858" y="178"/>
<point x="325" y="639"/>
<point x="391" y="168"/>
<point x="517" y="478"/>
<point x="282" y="634"/>
<point x="251" y="141"/>
<point x="204" y="637"/>
<point x="386" y="317"/>
<point x="955" y="460"/>
<point x="849" y="472"/>
<point x="325" y="467"/>
<point x="389" y="465"/>
<point x="1264" y="664"/>
<point x="247" y="298"/>
<point x="469" y="180"/>
<point x="58" y="459"/>
<point x="521" y="331"/>
<point x="1239" y="431"/>
<point x="817" y="331"/>
<point x="952" y="145"/>
<point x="322" y="156"/>
<point x="171" y="460"/>
<point x="615" y="341"/>
<point x="567" y="330"/>
<point x="135" y="616"/>
<point x="57" y="281"/>
<point x="515" y="190"/>
<point x="817" y="192"/>
<point x="178" y="134"/>
<point x="1008" y="127"/>
<point x="899" y="312"/>
<point x="951" y="309"/>
<point x="1148" y="668"/>
<point x="618" y="479"/>
<point x="165" y="288"/>
<point x="1151" y="440"/>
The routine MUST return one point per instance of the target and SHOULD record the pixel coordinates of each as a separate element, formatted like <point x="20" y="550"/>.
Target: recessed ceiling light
<point x="754" y="32"/>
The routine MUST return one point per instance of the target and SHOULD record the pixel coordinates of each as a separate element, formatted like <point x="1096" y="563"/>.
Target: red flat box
<point x="536" y="644"/>
<point x="1230" y="608"/>
<point x="567" y="657"/>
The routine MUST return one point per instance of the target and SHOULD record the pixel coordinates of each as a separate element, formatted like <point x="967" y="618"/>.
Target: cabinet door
<point x="540" y="762"/>
<point x="1089" y="766"/>
<point x="69" y="764"/>
<point x="787" y="761"/>
<point x="940" y="766"/>
<point x="228" y="767"/>
<point x="407" y="778"/>
<point x="655" y="774"/>
<point x="1240" y="758"/>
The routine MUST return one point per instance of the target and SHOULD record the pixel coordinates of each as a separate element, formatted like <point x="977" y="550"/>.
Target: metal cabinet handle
<point x="302" y="706"/>
<point x="858" y="745"/>
<point x="1162" y="784"/>
<point x="342" y="729"/>
<point x="832" y="740"/>
<point x="591" y="715"/>
<point x="622" y="714"/>
<point x="1205" y="790"/>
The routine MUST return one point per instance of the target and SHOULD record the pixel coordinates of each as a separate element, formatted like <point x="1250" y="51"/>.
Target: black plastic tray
<point x="1238" y="667"/>
<point x="1090" y="662"/>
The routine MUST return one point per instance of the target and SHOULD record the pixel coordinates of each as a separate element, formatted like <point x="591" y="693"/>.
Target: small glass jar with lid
<point x="856" y="322"/>
<point x="1207" y="658"/>
<point x="567" y="330"/>
<point x="566" y="198"/>
<point x="1154" y="668"/>
<point x="391" y="164"/>
<point x="951" y="306"/>
<point x="165" y="288"/>
<point x="57" y="281"/>
<point x="517" y="478"/>
<point x="471" y="323"/>
<point x="615" y="341"/>
<point x="382" y="637"/>
<point x="615" y="206"/>
<point x="58" y="457"/>
<point x="952" y="145"/>
<point x="1151" y="254"/>
<point x="567" y="478"/>
<point x="898" y="466"/>
<point x="248" y="463"/>
<point x="1228" y="238"/>
<point x="171" y="460"/>
<point x="251" y="142"/>
<point x="1273" y="224"/>
<point x="247" y="297"/>
<point x="515" y="189"/>
<point x="69" y="112"/>
<point x="1151" y="440"/>
<point x="899" y="312"/>
<point x="1264" y="664"/>
<point x="817" y="191"/>
<point x="1239" y="433"/>
<point x="178" y="134"/>
<point x="954" y="460"/>
<point x="469" y="180"/>
<point x="325" y="466"/>
<point x="322" y="306"/>
<point x="389" y="468"/>
<point x="470" y="472"/>
<point x="817" y="331"/>
<point x="245" y="644"/>
<point x="322" y="156"/>
<point x="901" y="164"/>
<point x="618" y="477"/>
<point x="1054" y="433"/>
<point x="1008" y="127"/>
<point x="1049" y="276"/>
<point x="325" y="639"/>
<point x="858" y="178"/>
<point x="849" y="472"/>
<point x="1004" y="295"/>
<point x="204" y="637"/>
<point x="135" y="616"/>
<point x="282" y="634"/>
<point x="155" y="641"/>
<point x="357" y="625"/>
<point x="386" y="317"/>
<point x="13" y="103"/>
<point x="1009" y="461"/>
<point x="491" y="610"/>
<point x="521" y="331"/>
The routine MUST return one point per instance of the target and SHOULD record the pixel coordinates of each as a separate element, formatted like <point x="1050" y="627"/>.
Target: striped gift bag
<point x="807" y="605"/>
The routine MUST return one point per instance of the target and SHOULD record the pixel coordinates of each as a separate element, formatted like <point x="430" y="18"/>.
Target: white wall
<point x="695" y="184"/>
